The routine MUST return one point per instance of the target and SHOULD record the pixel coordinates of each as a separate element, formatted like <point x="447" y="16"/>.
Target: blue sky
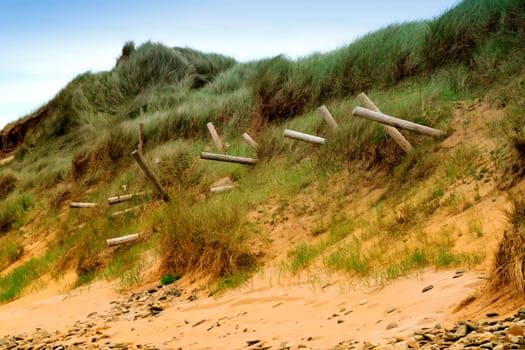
<point x="46" y="43"/>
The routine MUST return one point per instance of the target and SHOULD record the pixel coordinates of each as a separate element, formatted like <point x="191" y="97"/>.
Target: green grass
<point x="14" y="282"/>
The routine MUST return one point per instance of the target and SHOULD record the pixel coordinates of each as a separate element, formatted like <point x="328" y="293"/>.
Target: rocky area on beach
<point x="95" y="330"/>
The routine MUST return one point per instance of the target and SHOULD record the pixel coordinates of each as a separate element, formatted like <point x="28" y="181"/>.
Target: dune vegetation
<point x="361" y="200"/>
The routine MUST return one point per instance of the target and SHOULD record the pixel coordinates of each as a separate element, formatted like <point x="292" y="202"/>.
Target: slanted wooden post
<point x="120" y="240"/>
<point x="82" y="205"/>
<point x="393" y="121"/>
<point x="124" y="198"/>
<point x="303" y="137"/>
<point x="220" y="189"/>
<point x="393" y="132"/>
<point x="227" y="158"/>
<point x="328" y="117"/>
<point x="150" y="176"/>
<point x="140" y="146"/>
<point x="248" y="139"/>
<point x="215" y="137"/>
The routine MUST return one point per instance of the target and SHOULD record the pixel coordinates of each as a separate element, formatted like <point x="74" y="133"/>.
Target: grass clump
<point x="209" y="238"/>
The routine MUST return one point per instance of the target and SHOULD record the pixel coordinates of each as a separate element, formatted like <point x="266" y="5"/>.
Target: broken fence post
<point x="120" y="240"/>
<point x="227" y="158"/>
<point x="82" y="205"/>
<point x="220" y="189"/>
<point x="393" y="121"/>
<point x="127" y="210"/>
<point x="140" y="146"/>
<point x="303" y="137"/>
<point x="7" y="160"/>
<point x="248" y="139"/>
<point x="215" y="136"/>
<point x="124" y="198"/>
<point x="150" y="176"/>
<point x="393" y="132"/>
<point x="328" y="117"/>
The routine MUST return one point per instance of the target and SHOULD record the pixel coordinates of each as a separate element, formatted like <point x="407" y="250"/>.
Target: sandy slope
<point x="276" y="313"/>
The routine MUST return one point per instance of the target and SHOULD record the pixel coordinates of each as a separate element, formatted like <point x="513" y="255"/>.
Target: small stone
<point x="363" y="302"/>
<point x="492" y="314"/>
<point x="461" y="331"/>
<point x="390" y="310"/>
<point x="403" y="345"/>
<point x="340" y="321"/>
<point x="392" y="325"/>
<point x="515" y="330"/>
<point x="156" y="309"/>
<point x="252" y="342"/>
<point x="427" y="288"/>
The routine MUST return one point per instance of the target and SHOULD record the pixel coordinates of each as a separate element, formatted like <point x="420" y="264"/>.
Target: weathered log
<point x="328" y="117"/>
<point x="303" y="137"/>
<point x="393" y="121"/>
<point x="215" y="136"/>
<point x="393" y="132"/>
<point x="140" y="146"/>
<point x="248" y="139"/>
<point x="124" y="198"/>
<point x="227" y="158"/>
<point x="82" y="205"/>
<point x="150" y="176"/>
<point x="120" y="240"/>
<point x="220" y="189"/>
<point x="125" y="211"/>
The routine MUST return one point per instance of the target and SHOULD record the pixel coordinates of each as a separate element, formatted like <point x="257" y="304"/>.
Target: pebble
<point x="427" y="288"/>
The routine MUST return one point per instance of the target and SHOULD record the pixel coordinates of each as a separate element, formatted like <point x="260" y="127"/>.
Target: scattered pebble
<point x="427" y="288"/>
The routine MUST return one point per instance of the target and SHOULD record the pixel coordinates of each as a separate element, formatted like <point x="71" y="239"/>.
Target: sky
<point x="46" y="43"/>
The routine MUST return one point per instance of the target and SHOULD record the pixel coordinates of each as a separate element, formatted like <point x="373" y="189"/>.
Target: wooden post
<point x="328" y="117"/>
<point x="215" y="137"/>
<point x="248" y="139"/>
<point x="393" y="121"/>
<point x="7" y="160"/>
<point x="303" y="137"/>
<point x="82" y="205"/>
<point x="124" y="198"/>
<point x="140" y="146"/>
<point x="227" y="158"/>
<point x="393" y="132"/>
<point x="150" y="176"/>
<point x="220" y="189"/>
<point x="127" y="210"/>
<point x="120" y="240"/>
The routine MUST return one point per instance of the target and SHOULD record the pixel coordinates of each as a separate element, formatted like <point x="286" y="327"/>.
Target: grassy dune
<point x="417" y="71"/>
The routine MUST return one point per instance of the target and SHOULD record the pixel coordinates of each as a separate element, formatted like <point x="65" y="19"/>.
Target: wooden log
<point x="124" y="198"/>
<point x="150" y="176"/>
<point x="393" y="132"/>
<point x="215" y="136"/>
<point x="303" y="137"/>
<point x="140" y="146"/>
<point x="328" y="117"/>
<point x="120" y="240"/>
<point x="82" y="205"/>
<point x="125" y="211"/>
<point x="227" y="158"/>
<point x="220" y="189"/>
<point x="7" y="160"/>
<point x="248" y="139"/>
<point x="393" y="121"/>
